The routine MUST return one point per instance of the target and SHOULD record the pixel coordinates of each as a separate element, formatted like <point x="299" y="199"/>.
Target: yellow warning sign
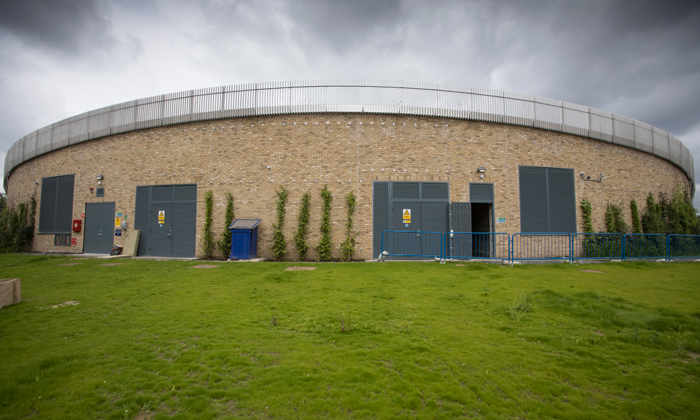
<point x="161" y="215"/>
<point x="118" y="222"/>
<point x="406" y="214"/>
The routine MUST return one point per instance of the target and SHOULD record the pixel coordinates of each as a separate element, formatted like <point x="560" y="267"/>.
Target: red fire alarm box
<point x="77" y="225"/>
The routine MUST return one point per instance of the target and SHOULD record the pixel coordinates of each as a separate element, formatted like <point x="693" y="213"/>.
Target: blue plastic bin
<point x="244" y="239"/>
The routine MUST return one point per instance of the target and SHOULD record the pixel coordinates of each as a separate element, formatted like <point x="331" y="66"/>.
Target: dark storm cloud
<point x="636" y="58"/>
<point x="639" y="59"/>
<point x="67" y="26"/>
<point x="342" y="25"/>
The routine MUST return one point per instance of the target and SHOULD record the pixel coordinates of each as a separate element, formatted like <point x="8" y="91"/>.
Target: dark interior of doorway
<point x="481" y="223"/>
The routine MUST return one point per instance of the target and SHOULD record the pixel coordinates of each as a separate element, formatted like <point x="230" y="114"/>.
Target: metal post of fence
<point x="571" y="249"/>
<point x="442" y="248"/>
<point x="623" y="248"/>
<point x="668" y="248"/>
<point x="381" y="251"/>
<point x="510" y="249"/>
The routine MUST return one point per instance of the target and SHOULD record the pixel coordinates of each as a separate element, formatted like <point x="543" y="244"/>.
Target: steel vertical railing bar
<point x="541" y="246"/>
<point x="411" y="98"/>
<point x="645" y="246"/>
<point x="683" y="246"/>
<point x="596" y="246"/>
<point x="401" y="243"/>
<point x="491" y="245"/>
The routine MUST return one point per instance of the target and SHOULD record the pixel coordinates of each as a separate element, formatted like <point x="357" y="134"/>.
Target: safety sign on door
<point x="407" y="216"/>
<point x="161" y="216"/>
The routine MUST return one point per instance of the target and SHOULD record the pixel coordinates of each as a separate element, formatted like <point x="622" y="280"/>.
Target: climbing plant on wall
<point x="207" y="237"/>
<point x="325" y="246"/>
<point x="279" y="244"/>
<point x="614" y="222"/>
<point x="302" y="227"/>
<point x="651" y="218"/>
<point x="347" y="248"/>
<point x="586" y="210"/>
<point x="636" y="222"/>
<point x="225" y="241"/>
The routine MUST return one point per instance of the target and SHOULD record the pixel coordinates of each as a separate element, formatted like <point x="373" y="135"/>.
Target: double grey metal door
<point x="166" y="215"/>
<point x="418" y="207"/>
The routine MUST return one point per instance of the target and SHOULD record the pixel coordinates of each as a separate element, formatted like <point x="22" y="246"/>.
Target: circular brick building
<point x="459" y="159"/>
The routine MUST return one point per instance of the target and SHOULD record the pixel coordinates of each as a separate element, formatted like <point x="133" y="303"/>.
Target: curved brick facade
<point x="346" y="152"/>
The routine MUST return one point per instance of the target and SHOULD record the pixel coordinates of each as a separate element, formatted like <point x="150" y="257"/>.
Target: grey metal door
<point x="99" y="228"/>
<point x="434" y="218"/>
<point x="426" y="204"/>
<point x="176" y="236"/>
<point x="397" y="211"/>
<point x="160" y="234"/>
<point x="381" y="214"/>
<point x="403" y="244"/>
<point x="460" y="245"/>
<point x="184" y="226"/>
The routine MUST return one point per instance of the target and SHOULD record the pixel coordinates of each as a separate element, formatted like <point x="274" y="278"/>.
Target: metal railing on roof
<point x="381" y="97"/>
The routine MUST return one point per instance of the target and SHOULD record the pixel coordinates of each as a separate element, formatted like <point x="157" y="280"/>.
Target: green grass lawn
<point x="160" y="339"/>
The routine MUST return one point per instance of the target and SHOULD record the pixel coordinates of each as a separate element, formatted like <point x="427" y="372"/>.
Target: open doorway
<point x="482" y="222"/>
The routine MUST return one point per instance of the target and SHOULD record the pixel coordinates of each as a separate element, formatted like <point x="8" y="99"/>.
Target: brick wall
<point x="346" y="152"/>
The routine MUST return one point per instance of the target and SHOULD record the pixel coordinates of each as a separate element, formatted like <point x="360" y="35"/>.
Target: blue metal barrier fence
<point x="596" y="246"/>
<point x="412" y="244"/>
<point x="645" y="246"/>
<point x="538" y="246"/>
<point x="683" y="246"/>
<point x="477" y="245"/>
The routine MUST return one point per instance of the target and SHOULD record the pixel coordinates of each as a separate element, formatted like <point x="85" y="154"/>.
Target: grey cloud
<point x="635" y="58"/>
<point x="72" y="27"/>
<point x="309" y="25"/>
<point x="343" y="25"/>
<point x="639" y="59"/>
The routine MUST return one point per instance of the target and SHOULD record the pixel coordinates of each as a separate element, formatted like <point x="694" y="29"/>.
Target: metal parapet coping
<point x="377" y="97"/>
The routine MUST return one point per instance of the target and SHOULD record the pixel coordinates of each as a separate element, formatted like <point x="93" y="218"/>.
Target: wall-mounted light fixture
<point x="588" y="178"/>
<point x="481" y="171"/>
<point x="99" y="179"/>
<point x="36" y="182"/>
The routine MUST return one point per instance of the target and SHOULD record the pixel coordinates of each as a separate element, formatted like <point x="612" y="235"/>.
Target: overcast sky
<point x="640" y="59"/>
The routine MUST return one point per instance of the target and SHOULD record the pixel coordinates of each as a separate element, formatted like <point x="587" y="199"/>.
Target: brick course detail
<point x="253" y="156"/>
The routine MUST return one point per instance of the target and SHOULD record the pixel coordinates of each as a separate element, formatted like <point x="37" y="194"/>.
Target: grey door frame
<point x="492" y="211"/>
<point x="459" y="212"/>
<point x="165" y="230"/>
<point x="151" y="220"/>
<point x="107" y="225"/>
<point x="418" y="201"/>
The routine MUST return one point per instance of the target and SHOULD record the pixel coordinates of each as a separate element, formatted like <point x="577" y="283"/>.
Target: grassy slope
<point x="158" y="339"/>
